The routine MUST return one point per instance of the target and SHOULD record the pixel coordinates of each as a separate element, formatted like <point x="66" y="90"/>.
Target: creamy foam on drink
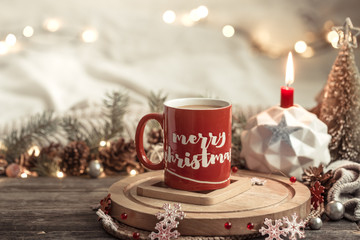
<point x="199" y="106"/>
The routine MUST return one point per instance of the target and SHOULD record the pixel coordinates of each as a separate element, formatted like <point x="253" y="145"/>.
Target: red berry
<point x="293" y="179"/>
<point x="250" y="226"/>
<point x="136" y="235"/>
<point x="234" y="169"/>
<point x="227" y="225"/>
<point x="123" y="216"/>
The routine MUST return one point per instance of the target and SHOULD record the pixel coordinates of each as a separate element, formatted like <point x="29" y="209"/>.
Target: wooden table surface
<point x="51" y="208"/>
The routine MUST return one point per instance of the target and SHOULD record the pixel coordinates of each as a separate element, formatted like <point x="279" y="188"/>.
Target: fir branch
<point x="156" y="101"/>
<point x="87" y="132"/>
<point x="238" y="124"/>
<point x="38" y="130"/>
<point x="72" y="127"/>
<point x="115" y="105"/>
<point x="45" y="166"/>
<point x="156" y="105"/>
<point x="93" y="140"/>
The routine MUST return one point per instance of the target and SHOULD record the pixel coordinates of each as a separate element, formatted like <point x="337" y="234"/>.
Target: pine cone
<point x="47" y="163"/>
<point x="52" y="151"/>
<point x="134" y="165"/>
<point x="74" y="159"/>
<point x="27" y="160"/>
<point x="155" y="136"/>
<point x="313" y="174"/>
<point x="117" y="156"/>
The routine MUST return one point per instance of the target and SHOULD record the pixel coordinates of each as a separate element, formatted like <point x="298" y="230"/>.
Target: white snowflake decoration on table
<point x="165" y="232"/>
<point x="274" y="231"/>
<point x="283" y="227"/>
<point x="169" y="222"/>
<point x="293" y="227"/>
<point x="257" y="181"/>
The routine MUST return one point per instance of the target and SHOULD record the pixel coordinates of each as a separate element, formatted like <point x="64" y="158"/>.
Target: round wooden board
<point x="277" y="198"/>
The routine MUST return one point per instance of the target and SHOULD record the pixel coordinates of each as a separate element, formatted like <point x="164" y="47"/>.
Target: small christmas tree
<point x="339" y="107"/>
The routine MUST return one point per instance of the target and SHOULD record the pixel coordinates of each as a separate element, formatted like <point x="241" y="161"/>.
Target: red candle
<point x="287" y="97"/>
<point x="287" y="92"/>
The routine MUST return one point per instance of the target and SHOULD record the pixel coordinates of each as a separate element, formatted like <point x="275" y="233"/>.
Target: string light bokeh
<point x="306" y="47"/>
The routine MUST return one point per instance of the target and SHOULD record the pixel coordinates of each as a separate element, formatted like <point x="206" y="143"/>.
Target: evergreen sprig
<point x="156" y="105"/>
<point x="114" y="109"/>
<point x="112" y="126"/>
<point x="156" y="101"/>
<point x="46" y="166"/>
<point x="38" y="130"/>
<point x="238" y="124"/>
<point x="73" y="128"/>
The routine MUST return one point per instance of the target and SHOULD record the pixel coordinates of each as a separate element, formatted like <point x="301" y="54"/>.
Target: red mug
<point x="197" y="143"/>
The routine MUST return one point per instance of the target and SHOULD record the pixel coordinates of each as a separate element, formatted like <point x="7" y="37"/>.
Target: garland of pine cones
<point x="74" y="159"/>
<point x="84" y="143"/>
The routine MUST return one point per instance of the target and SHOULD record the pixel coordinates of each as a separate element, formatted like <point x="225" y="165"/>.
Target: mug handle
<point x="140" y="142"/>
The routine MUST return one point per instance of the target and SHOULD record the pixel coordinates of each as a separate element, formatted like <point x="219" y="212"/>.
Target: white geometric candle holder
<point x="285" y="140"/>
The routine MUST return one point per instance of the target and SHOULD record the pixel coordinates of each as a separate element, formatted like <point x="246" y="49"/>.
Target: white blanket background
<point x="136" y="51"/>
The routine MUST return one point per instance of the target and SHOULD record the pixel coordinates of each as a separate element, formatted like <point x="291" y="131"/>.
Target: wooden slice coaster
<point x="156" y="188"/>
<point x="277" y="198"/>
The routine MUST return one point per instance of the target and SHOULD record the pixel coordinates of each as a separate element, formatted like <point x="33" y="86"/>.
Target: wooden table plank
<point x="51" y="208"/>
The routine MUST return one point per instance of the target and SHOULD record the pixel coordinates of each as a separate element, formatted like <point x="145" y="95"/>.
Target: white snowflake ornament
<point x="274" y="231"/>
<point x="257" y="181"/>
<point x="293" y="227"/>
<point x="283" y="227"/>
<point x="165" y="227"/>
<point x="164" y="232"/>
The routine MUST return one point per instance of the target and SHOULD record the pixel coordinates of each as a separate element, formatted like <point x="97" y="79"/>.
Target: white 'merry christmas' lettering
<point x="193" y="139"/>
<point x="204" y="157"/>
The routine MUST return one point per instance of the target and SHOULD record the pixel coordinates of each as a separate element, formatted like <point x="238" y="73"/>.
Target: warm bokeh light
<point x="28" y="31"/>
<point x="202" y="11"/>
<point x="89" y="35"/>
<point x="169" y="16"/>
<point x="34" y="149"/>
<point x="59" y="174"/>
<point x="4" y="48"/>
<point x="102" y="143"/>
<point x="300" y="46"/>
<point x="228" y="31"/>
<point x="2" y="146"/>
<point x="52" y="25"/>
<point x="334" y="44"/>
<point x="133" y="172"/>
<point x="308" y="53"/>
<point x="332" y="37"/>
<point x="194" y="15"/>
<point x="186" y="20"/>
<point x="24" y="175"/>
<point x="289" y="78"/>
<point x="10" y="39"/>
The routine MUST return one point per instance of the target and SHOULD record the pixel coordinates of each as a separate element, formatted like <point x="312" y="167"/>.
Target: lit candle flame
<point x="289" y="79"/>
